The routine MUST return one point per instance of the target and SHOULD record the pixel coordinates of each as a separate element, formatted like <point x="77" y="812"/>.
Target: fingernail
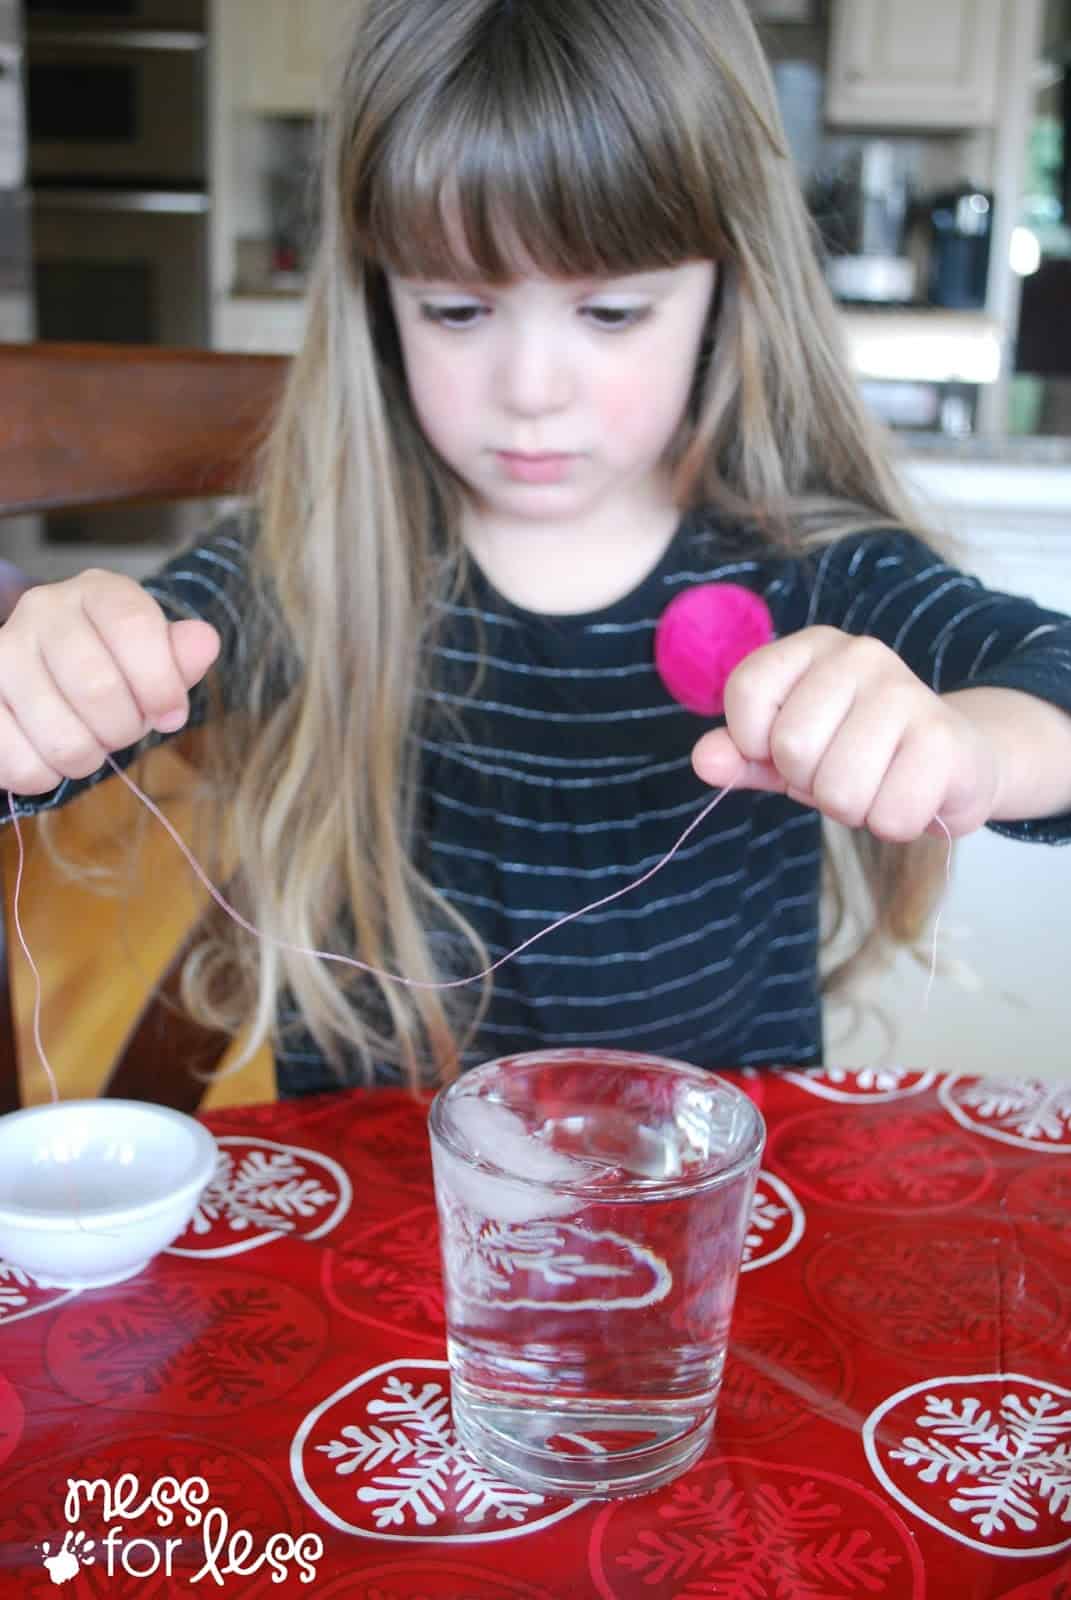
<point x="171" y="722"/>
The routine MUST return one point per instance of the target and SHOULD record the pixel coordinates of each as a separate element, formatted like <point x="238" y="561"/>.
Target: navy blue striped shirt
<point x="563" y="772"/>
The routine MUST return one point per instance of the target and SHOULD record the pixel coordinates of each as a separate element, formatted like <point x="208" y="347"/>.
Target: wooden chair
<point x="99" y="425"/>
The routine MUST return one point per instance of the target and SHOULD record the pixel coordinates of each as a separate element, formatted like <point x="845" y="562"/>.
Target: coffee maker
<point x="960" y="237"/>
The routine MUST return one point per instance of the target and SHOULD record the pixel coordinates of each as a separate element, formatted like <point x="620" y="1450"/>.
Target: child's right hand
<point x="89" y="666"/>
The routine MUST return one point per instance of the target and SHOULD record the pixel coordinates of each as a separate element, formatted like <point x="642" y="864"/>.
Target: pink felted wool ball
<point x="702" y="635"/>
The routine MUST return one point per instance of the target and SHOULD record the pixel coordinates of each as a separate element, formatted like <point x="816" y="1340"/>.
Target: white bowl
<point x="91" y="1190"/>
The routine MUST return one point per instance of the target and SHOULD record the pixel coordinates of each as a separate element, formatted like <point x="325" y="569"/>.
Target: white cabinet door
<point x="287" y="47"/>
<point x="915" y="63"/>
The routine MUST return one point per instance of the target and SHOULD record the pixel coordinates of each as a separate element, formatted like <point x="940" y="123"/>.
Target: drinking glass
<point x="592" y="1208"/>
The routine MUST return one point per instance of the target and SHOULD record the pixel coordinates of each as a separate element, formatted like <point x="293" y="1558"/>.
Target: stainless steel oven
<point x="117" y="93"/>
<point x="118" y="179"/>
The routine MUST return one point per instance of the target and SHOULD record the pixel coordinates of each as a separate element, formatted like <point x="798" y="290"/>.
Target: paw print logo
<point x="74" y="1553"/>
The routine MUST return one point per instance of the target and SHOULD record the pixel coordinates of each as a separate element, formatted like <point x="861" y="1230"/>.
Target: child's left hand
<point x="842" y="724"/>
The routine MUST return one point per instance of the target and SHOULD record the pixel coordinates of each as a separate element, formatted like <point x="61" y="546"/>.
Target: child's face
<point x="552" y="399"/>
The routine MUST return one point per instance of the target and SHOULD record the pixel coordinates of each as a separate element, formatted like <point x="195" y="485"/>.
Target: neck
<point x="581" y="565"/>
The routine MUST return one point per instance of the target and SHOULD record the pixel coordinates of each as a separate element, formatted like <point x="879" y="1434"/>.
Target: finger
<point x="854" y="766"/>
<point x="810" y="718"/>
<point x="194" y="646"/>
<point x="968" y="800"/>
<point x="914" y="788"/>
<point x="61" y="740"/>
<point x="718" y="762"/>
<point x="760" y="685"/>
<point x="85" y="673"/>
<point x="21" y="769"/>
<point x="135" y="632"/>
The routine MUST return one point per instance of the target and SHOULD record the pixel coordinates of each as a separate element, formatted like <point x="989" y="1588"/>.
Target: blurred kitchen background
<point x="158" y="189"/>
<point x="156" y="163"/>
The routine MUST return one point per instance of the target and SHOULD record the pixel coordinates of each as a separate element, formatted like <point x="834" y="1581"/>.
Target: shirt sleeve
<point x="209" y="581"/>
<point x="950" y="630"/>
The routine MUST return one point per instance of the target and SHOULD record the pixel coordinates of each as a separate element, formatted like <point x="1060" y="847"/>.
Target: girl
<point x="569" y="353"/>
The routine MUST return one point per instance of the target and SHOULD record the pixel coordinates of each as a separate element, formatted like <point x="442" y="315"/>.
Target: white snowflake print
<point x="419" y="1442"/>
<point x="500" y="1250"/>
<point x="765" y="1215"/>
<point x="1027" y="1112"/>
<point x="13" y="1284"/>
<point x="261" y="1190"/>
<point x="998" y="1463"/>
<point x="861" y="1083"/>
<point x="23" y="1294"/>
<point x="515" y="1264"/>
<point x="774" y="1531"/>
<point x="379" y="1458"/>
<point x="776" y="1223"/>
<point x="264" y="1190"/>
<point x="880" y="1078"/>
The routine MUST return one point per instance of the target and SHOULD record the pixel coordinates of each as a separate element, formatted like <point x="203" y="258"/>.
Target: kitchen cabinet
<point x="285" y="51"/>
<point x="914" y="63"/>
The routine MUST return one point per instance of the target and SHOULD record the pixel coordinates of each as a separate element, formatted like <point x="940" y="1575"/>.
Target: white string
<point x="351" y="961"/>
<point x="394" y="977"/>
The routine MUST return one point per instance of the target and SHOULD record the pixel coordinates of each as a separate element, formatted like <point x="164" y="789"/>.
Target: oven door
<point x="123" y="267"/>
<point x="116" y="101"/>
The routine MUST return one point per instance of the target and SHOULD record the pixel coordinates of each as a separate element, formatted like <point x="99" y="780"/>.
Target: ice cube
<point x="494" y="1134"/>
<point x="497" y="1199"/>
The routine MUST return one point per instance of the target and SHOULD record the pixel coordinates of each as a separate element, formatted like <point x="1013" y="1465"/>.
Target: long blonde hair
<point x="610" y="135"/>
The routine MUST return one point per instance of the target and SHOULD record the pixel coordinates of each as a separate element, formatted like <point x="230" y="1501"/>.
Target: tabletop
<point x="265" y="1409"/>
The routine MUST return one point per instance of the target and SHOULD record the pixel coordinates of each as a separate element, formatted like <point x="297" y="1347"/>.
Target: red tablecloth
<point x="895" y="1421"/>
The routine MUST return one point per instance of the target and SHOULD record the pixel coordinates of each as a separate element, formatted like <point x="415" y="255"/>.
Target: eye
<point x="460" y="314"/>
<point x="615" y="319"/>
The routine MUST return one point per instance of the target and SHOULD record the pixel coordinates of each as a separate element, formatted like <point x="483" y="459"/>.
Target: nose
<point x="534" y="377"/>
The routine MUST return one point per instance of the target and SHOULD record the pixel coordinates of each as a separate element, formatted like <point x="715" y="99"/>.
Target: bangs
<point x="552" y="145"/>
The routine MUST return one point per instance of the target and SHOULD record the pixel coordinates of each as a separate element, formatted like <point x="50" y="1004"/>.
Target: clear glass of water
<point x="592" y="1208"/>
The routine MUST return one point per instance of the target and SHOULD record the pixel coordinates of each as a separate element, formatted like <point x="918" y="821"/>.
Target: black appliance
<point x="961" y="235"/>
<point x="1043" y="346"/>
<point x="1065" y="119"/>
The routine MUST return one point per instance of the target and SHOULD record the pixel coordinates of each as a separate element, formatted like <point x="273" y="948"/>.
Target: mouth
<point x="544" y="466"/>
<point x="535" y="455"/>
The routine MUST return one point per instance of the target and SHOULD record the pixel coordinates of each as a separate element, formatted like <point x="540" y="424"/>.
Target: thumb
<point x="194" y="645"/>
<point x="718" y="762"/>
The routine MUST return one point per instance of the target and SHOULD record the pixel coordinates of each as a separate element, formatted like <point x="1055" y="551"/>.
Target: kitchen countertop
<point x="1028" y="450"/>
<point x="1009" y="478"/>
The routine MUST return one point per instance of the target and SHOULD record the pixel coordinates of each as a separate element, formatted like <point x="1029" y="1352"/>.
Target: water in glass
<point x="592" y="1208"/>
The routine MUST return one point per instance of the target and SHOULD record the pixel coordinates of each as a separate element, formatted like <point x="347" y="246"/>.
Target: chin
<point x="537" y="501"/>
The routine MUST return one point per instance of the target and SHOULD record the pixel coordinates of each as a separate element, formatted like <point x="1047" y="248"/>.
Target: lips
<point x="542" y="467"/>
<point x="536" y="455"/>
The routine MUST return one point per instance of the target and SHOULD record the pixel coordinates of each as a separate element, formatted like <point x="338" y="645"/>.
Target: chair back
<point x="99" y="425"/>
